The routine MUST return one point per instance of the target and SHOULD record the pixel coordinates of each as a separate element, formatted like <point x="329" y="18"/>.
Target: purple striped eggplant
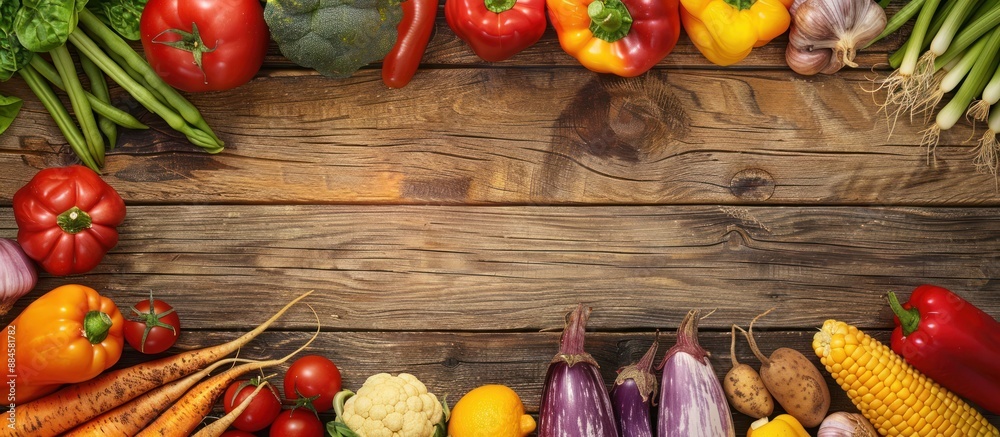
<point x="632" y="394"/>
<point x="692" y="403"/>
<point x="575" y="401"/>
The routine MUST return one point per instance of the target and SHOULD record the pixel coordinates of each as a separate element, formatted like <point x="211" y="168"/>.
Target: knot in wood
<point x="752" y="184"/>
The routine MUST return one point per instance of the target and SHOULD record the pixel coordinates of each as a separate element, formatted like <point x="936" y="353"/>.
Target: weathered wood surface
<point x="532" y="136"/>
<point x="448" y="226"/>
<point x="509" y="268"/>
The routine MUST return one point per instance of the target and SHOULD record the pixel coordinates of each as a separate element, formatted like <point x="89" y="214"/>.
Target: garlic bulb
<point x="826" y="34"/>
<point x="18" y="275"/>
<point x="841" y="424"/>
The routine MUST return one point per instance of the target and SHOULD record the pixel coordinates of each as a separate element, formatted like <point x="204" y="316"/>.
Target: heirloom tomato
<point x="204" y="45"/>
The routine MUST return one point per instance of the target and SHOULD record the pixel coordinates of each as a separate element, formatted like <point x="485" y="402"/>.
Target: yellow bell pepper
<point x="783" y="425"/>
<point x="725" y="31"/>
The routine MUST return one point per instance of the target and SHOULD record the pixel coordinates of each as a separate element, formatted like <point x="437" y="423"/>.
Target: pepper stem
<point x="741" y="5"/>
<point x="909" y="319"/>
<point x="96" y="326"/>
<point x="74" y="220"/>
<point x="498" y="6"/>
<point x="609" y="19"/>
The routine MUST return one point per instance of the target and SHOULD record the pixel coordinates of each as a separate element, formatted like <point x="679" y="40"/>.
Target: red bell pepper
<point x="624" y="37"/>
<point x="950" y="341"/>
<point x="66" y="219"/>
<point x="496" y="29"/>
<point x="414" y="32"/>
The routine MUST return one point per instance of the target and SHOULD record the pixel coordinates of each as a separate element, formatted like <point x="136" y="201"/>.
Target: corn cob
<point x="895" y="397"/>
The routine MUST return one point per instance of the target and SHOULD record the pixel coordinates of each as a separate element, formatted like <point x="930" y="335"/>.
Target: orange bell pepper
<point x="624" y="37"/>
<point x="725" y="31"/>
<point x="70" y="334"/>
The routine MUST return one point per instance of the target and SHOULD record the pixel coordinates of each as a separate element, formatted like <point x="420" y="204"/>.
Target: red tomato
<point x="262" y="409"/>
<point x="237" y="433"/>
<point x="313" y="376"/>
<point x="297" y="423"/>
<point x="152" y="327"/>
<point x="232" y="44"/>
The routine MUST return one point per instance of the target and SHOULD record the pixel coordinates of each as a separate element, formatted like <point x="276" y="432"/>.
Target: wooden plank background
<point x="447" y="227"/>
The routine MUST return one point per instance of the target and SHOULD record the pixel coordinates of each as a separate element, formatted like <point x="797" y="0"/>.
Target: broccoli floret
<point x="335" y="37"/>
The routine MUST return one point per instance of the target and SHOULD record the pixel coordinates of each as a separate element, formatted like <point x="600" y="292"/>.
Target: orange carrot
<point x="189" y="411"/>
<point x="215" y="429"/>
<point x="129" y="418"/>
<point x="78" y="403"/>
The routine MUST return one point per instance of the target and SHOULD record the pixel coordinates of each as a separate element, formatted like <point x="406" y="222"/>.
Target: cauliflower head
<point x="393" y="406"/>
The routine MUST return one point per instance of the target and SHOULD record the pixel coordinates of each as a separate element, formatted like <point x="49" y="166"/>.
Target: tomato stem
<point x="189" y="42"/>
<point x="152" y="319"/>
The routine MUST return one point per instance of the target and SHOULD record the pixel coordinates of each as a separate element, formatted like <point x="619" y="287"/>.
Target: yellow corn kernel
<point x="896" y="398"/>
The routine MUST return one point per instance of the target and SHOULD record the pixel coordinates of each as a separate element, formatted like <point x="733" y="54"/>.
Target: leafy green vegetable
<point x="335" y="37"/>
<point x="42" y="25"/>
<point x="120" y="15"/>
<point x="9" y="107"/>
<point x="13" y="56"/>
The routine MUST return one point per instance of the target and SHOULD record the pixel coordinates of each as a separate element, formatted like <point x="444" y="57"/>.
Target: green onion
<point x="991" y="93"/>
<point x="971" y="87"/>
<point x="952" y="23"/>
<point x="897" y="56"/>
<point x="988" y="150"/>
<point x="898" y="20"/>
<point x="909" y="65"/>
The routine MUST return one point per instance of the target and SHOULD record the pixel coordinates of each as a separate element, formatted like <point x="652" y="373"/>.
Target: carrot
<point x="215" y="429"/>
<point x="189" y="411"/>
<point x="78" y="403"/>
<point x="129" y="418"/>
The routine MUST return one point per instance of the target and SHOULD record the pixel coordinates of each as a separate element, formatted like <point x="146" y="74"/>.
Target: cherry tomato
<point x="152" y="326"/>
<point x="230" y="36"/>
<point x="262" y="409"/>
<point x="237" y="433"/>
<point x="297" y="423"/>
<point x="315" y="378"/>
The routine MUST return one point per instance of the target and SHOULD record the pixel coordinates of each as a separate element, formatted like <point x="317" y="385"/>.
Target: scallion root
<point x="980" y="110"/>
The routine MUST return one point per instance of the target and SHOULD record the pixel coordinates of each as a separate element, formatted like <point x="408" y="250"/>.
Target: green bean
<point x="114" y="114"/>
<point x="117" y="45"/>
<point x="99" y="88"/>
<point x="90" y="49"/>
<point x="131" y="73"/>
<point x="88" y="124"/>
<point x="59" y="114"/>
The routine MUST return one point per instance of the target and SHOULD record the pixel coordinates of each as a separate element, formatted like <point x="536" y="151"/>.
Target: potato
<point x="797" y="385"/>
<point x="794" y="381"/>
<point x="744" y="388"/>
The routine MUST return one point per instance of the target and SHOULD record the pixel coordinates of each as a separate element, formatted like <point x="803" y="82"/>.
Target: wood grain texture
<point x="529" y="136"/>
<point x="505" y="268"/>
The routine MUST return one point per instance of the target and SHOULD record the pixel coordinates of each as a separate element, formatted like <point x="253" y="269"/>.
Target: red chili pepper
<point x="66" y="219"/>
<point x="415" y="30"/>
<point x="950" y="341"/>
<point x="496" y="29"/>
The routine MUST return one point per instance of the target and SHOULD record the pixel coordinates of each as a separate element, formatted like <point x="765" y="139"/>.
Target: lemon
<point x="491" y="410"/>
